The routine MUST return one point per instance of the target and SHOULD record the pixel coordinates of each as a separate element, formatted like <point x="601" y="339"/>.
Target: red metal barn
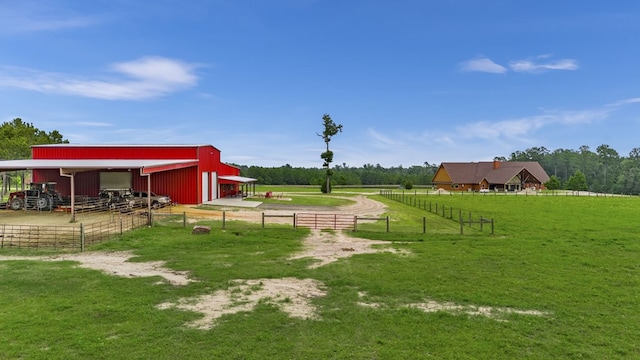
<point x="189" y="174"/>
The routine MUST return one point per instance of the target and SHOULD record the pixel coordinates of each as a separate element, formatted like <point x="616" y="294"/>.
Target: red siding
<point x="174" y="183"/>
<point x="183" y="185"/>
<point x="209" y="158"/>
<point x="116" y="152"/>
<point x="87" y="183"/>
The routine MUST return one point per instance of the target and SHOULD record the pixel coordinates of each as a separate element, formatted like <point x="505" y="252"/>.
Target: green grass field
<point x="575" y="260"/>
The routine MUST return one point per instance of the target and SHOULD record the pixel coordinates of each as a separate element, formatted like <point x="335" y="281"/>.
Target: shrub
<point x="408" y="185"/>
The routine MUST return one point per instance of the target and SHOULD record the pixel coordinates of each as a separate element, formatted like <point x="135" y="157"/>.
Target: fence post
<point x="481" y="223"/>
<point x="81" y="237"/>
<point x="461" y="227"/>
<point x="294" y="222"/>
<point x="491" y="226"/>
<point x="120" y="226"/>
<point x="387" y="224"/>
<point x="424" y="224"/>
<point x="224" y="216"/>
<point x="262" y="221"/>
<point x="184" y="219"/>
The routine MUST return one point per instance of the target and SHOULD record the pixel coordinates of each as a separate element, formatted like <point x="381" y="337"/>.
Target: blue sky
<point x="411" y="81"/>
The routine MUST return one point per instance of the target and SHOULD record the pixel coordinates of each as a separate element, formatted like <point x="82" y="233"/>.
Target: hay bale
<point x="199" y="229"/>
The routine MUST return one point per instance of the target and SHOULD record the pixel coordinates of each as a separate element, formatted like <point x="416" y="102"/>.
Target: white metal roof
<point x="83" y="165"/>
<point x="122" y="145"/>
<point x="241" y="179"/>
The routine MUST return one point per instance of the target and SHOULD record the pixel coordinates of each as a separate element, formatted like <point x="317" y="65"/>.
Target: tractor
<point x="40" y="196"/>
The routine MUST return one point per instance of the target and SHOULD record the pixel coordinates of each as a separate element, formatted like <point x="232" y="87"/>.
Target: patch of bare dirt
<point x="291" y="295"/>
<point x="115" y="263"/>
<point x="431" y="306"/>
<point x="328" y="247"/>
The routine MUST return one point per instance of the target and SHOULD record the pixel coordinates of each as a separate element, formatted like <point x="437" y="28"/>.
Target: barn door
<point x="205" y="186"/>
<point x="214" y="185"/>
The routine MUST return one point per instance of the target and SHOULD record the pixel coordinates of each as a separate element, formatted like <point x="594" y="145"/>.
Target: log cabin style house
<point x="490" y="176"/>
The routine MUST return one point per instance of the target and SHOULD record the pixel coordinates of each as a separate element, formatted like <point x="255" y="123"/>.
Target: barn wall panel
<point x="86" y="183"/>
<point x="208" y="158"/>
<point x="114" y="152"/>
<point x="181" y="185"/>
<point x="63" y="185"/>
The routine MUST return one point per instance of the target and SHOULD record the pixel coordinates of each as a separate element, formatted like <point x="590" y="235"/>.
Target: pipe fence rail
<point x="439" y="209"/>
<point x="69" y="237"/>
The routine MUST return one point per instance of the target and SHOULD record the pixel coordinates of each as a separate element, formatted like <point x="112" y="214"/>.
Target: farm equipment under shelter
<point x="40" y="196"/>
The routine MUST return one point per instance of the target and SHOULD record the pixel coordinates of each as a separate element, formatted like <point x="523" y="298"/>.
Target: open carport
<point x="69" y="169"/>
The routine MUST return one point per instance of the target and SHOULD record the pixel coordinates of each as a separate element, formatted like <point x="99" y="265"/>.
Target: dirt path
<point x="362" y="206"/>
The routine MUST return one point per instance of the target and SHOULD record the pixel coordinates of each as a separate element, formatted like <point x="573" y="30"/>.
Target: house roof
<point x="475" y="172"/>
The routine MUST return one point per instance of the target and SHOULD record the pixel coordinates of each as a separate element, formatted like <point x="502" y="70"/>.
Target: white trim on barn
<point x="215" y="192"/>
<point x="205" y="186"/>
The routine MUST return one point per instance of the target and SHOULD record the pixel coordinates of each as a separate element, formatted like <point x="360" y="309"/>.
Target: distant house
<point x="490" y="176"/>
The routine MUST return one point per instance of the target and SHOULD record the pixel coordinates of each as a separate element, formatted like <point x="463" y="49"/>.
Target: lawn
<point x="572" y="260"/>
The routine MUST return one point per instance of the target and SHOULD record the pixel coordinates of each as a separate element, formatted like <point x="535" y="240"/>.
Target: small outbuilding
<point x="189" y="174"/>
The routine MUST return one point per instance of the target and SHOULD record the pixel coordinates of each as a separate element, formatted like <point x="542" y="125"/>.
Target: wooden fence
<point x="463" y="217"/>
<point x="326" y="221"/>
<point x="68" y="237"/>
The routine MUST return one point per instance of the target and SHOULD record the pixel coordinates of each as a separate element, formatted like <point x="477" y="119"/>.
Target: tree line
<point x="602" y="170"/>
<point x="16" y="139"/>
<point x="367" y="174"/>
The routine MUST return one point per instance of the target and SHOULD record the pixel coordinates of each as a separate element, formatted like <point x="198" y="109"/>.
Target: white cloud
<point x="92" y="124"/>
<point x="29" y="16"/>
<point x="523" y="128"/>
<point x="531" y="66"/>
<point x="144" y="78"/>
<point x="625" y="102"/>
<point x="482" y="64"/>
<point x="381" y="140"/>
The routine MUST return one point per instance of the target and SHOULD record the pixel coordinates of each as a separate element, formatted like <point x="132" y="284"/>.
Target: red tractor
<point x="40" y="196"/>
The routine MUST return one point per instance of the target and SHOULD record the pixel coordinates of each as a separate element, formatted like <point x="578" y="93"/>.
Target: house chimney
<point x="496" y="164"/>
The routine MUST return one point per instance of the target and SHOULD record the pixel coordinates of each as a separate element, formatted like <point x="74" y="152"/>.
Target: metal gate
<point x="326" y="221"/>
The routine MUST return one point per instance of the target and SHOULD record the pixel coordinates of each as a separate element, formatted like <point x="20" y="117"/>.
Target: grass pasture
<point x="573" y="259"/>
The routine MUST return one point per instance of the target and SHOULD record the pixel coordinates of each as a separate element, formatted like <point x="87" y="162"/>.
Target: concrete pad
<point x="237" y="202"/>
